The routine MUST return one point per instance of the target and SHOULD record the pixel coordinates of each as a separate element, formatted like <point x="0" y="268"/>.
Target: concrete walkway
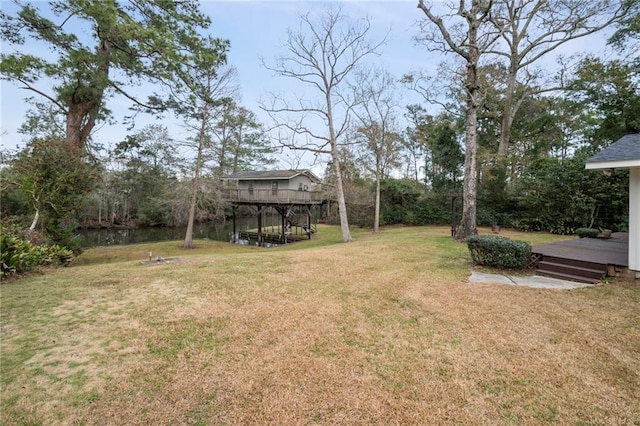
<point x="525" y="281"/>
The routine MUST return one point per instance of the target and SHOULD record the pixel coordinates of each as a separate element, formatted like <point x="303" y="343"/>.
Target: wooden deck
<point x="584" y="259"/>
<point x="611" y="251"/>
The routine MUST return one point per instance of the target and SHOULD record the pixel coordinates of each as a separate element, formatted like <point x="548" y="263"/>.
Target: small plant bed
<point x="160" y="260"/>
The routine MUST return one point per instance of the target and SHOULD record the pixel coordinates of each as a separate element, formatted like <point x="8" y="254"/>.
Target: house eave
<point x="271" y="177"/>
<point x="620" y="164"/>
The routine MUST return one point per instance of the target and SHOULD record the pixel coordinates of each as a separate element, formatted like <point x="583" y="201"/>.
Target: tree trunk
<point x="34" y="223"/>
<point x="468" y="225"/>
<point x="237" y="152"/>
<point x="80" y="122"/>
<point x="510" y="108"/>
<point x="82" y="113"/>
<point x="188" y="239"/>
<point x="376" y="218"/>
<point x="508" y="112"/>
<point x="100" y="208"/>
<point x="342" y="205"/>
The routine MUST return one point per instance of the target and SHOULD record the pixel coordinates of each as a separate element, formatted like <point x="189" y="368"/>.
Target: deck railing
<point x="281" y="196"/>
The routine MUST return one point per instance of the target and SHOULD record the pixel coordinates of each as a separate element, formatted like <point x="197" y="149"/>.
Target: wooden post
<point x="283" y="214"/>
<point x="235" y="234"/>
<point x="259" y="225"/>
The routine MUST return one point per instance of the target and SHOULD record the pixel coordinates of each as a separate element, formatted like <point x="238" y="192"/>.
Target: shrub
<point x="529" y="224"/>
<point x="18" y="255"/>
<point x="53" y="255"/>
<point x="587" y="232"/>
<point x="64" y="235"/>
<point x="492" y="250"/>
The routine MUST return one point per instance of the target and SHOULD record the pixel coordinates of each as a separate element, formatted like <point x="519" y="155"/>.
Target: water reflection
<point x="207" y="231"/>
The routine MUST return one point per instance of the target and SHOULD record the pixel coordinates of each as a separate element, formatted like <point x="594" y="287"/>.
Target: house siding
<point x="260" y="190"/>
<point x="292" y="184"/>
<point x="300" y="180"/>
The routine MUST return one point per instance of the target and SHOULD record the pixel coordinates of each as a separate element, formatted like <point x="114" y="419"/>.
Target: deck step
<point x="573" y="262"/>
<point x="588" y="272"/>
<point x="568" y="277"/>
<point x="573" y="270"/>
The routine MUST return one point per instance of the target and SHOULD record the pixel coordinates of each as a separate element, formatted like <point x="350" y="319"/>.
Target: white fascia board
<point x="269" y="178"/>
<point x="625" y="164"/>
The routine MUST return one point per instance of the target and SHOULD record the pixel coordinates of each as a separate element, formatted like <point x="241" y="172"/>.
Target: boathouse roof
<point x="273" y="174"/>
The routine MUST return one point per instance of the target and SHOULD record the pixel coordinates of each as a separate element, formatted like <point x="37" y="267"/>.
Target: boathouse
<point x="289" y="195"/>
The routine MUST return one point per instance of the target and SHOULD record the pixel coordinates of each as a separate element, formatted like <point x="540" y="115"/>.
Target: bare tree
<point x="529" y="30"/>
<point x="321" y="55"/>
<point x="469" y="44"/>
<point x="374" y="91"/>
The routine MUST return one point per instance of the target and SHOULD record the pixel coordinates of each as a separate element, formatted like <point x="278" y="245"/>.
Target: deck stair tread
<point x="553" y="260"/>
<point x="559" y="268"/>
<point x="568" y="277"/>
<point x="571" y="269"/>
<point x="546" y="266"/>
<point x="559" y="265"/>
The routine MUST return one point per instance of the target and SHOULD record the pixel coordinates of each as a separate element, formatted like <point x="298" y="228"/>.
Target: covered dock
<point x="289" y="195"/>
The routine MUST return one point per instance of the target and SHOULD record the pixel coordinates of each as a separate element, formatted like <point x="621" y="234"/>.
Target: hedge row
<point x="492" y="250"/>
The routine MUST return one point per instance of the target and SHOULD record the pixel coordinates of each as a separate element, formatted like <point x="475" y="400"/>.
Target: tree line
<point x="509" y="137"/>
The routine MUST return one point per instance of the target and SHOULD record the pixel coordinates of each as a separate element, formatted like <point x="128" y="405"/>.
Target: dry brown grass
<point x="385" y="330"/>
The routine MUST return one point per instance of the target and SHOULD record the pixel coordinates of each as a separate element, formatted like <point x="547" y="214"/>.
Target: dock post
<point x="259" y="225"/>
<point x="234" y="236"/>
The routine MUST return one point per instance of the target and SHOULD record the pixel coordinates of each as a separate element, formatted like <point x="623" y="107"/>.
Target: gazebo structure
<point x="290" y="193"/>
<point x="625" y="154"/>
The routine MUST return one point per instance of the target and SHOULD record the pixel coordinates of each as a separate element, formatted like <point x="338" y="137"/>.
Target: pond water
<point x="201" y="231"/>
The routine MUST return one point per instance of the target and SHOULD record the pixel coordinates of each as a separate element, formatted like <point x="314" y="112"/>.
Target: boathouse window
<point x="250" y="188"/>
<point x="274" y="188"/>
<point x="300" y="186"/>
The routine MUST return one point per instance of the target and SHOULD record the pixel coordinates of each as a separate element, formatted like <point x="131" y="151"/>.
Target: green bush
<point x="529" y="224"/>
<point x="53" y="255"/>
<point x="587" y="232"/>
<point x="64" y="235"/>
<point x="18" y="255"/>
<point x="492" y="250"/>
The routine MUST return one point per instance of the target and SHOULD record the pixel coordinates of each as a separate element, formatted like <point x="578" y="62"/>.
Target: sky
<point x="256" y="30"/>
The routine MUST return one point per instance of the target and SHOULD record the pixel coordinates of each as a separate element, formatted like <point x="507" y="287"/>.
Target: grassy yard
<point x="385" y="330"/>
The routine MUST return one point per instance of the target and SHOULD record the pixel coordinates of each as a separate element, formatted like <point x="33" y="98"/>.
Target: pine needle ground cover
<point x="384" y="330"/>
